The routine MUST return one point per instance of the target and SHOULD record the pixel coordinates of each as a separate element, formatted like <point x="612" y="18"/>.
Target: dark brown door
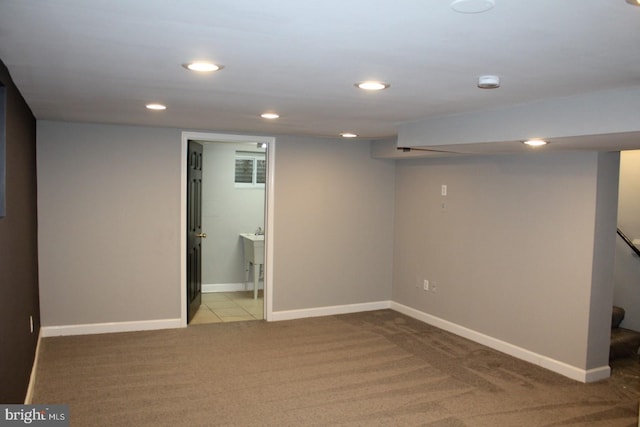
<point x="194" y="229"/>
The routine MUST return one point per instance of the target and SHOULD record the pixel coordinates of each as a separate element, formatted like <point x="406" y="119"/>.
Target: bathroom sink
<point x="253" y="246"/>
<point x="253" y="250"/>
<point x="253" y="237"/>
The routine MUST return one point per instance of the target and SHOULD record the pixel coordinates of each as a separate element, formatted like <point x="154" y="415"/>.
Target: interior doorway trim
<point x="269" y="210"/>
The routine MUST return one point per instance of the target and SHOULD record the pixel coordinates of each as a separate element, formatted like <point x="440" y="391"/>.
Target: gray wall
<point x="602" y="280"/>
<point x="629" y="207"/>
<point x="109" y="206"/>
<point x="510" y="248"/>
<point x="18" y="248"/>
<point x="227" y="211"/>
<point x="109" y="200"/>
<point x="333" y="224"/>
<point x="627" y="264"/>
<point x="517" y="251"/>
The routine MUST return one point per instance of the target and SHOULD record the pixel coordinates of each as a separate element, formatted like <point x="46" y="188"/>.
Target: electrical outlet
<point x="425" y="285"/>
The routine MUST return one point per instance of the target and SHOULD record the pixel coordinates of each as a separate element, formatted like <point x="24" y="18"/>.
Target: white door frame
<point x="269" y="210"/>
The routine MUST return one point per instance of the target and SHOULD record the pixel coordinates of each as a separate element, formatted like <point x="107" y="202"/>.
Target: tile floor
<point x="229" y="307"/>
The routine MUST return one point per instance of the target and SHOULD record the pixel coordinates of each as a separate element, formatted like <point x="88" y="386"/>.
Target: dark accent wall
<point x="18" y="248"/>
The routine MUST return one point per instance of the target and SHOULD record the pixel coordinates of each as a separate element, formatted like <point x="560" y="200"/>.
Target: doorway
<point x="229" y="142"/>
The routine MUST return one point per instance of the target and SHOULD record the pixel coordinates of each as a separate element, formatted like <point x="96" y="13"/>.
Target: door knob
<point x="203" y="235"/>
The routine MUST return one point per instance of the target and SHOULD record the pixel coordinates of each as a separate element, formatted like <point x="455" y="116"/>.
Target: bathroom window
<point x="250" y="169"/>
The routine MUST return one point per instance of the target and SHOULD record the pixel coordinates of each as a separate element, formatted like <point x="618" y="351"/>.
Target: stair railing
<point x="628" y="242"/>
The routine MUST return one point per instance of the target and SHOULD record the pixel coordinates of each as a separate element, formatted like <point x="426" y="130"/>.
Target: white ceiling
<point x="103" y="60"/>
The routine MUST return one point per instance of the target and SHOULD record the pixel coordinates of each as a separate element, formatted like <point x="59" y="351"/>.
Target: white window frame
<point x="254" y="157"/>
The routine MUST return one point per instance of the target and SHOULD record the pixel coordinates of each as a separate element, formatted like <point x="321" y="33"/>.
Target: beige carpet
<point x="367" y="369"/>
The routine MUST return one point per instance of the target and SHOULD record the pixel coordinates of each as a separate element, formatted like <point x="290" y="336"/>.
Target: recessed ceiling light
<point x="535" y="142"/>
<point x="156" y="107"/>
<point x="270" y="116"/>
<point x="204" y="67"/>
<point x="348" y="135"/>
<point x="372" y="85"/>
<point x="488" y="82"/>
<point x="634" y="2"/>
<point x="472" y="6"/>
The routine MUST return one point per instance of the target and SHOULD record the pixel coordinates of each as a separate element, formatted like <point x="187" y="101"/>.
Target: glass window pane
<point x="261" y="171"/>
<point x="244" y="171"/>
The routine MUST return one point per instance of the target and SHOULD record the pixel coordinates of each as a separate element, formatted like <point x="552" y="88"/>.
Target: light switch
<point x="443" y="190"/>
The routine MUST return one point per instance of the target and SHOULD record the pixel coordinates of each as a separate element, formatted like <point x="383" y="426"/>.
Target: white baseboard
<point x="329" y="311"/>
<point x="597" y="374"/>
<point x="32" y="378"/>
<point x="556" y="366"/>
<point x="104" y="328"/>
<point x="229" y="287"/>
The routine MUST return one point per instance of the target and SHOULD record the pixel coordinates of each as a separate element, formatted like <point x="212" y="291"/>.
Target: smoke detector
<point x="472" y="6"/>
<point x="488" y="82"/>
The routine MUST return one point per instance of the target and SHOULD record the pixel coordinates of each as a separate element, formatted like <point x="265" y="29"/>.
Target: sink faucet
<point x="259" y="232"/>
